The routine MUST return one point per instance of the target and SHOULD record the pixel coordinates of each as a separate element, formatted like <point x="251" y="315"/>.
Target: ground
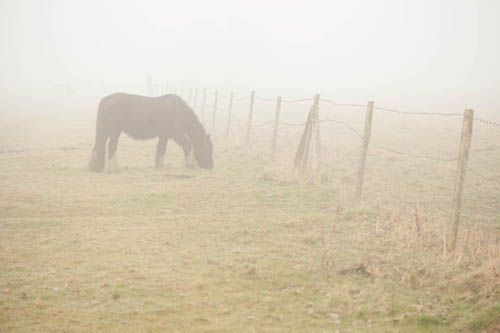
<point x="245" y="247"/>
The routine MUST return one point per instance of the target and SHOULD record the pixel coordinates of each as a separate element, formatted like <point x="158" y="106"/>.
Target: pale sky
<point x="375" y="48"/>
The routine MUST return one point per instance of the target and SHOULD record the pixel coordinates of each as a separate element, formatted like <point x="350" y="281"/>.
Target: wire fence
<point x="419" y="113"/>
<point x="346" y="125"/>
<point x="279" y="120"/>
<point x="296" y="100"/>
<point x="267" y="123"/>
<point x="427" y="157"/>
<point x="292" y="124"/>
<point x="276" y="118"/>
<point x="342" y="104"/>
<point x="483" y="177"/>
<point x="265" y="99"/>
<point x="488" y="122"/>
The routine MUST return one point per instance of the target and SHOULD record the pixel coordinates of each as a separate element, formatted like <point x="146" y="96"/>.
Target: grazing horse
<point x="141" y="117"/>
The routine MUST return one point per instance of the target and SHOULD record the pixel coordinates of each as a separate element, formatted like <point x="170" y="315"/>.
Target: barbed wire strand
<point x="414" y="156"/>
<point x="263" y="124"/>
<point x="496" y="126"/>
<point x="291" y="124"/>
<point x="296" y="100"/>
<point x="352" y="129"/>
<point x="284" y="100"/>
<point x="483" y="177"/>
<point x="487" y="122"/>
<point x="265" y="99"/>
<point x="419" y="113"/>
<point x="342" y="104"/>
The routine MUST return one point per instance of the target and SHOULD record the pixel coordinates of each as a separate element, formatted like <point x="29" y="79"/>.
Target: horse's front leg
<point x="160" y="152"/>
<point x="189" y="159"/>
<point x="112" y="145"/>
<point x="184" y="142"/>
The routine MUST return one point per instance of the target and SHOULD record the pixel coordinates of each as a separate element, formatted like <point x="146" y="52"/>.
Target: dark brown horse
<point x="141" y="117"/>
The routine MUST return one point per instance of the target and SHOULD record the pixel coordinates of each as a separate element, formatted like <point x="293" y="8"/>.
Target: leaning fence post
<point x="214" y="112"/>
<point x="463" y="155"/>
<point x="250" y="116"/>
<point x="230" y="107"/>
<point x="302" y="155"/>
<point x="203" y="106"/>
<point x="276" y="125"/>
<point x="364" y="148"/>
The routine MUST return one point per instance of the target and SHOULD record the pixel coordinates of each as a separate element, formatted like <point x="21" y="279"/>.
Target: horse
<point x="140" y="117"/>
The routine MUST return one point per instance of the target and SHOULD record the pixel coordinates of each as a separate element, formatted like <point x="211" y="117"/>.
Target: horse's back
<point x="141" y="117"/>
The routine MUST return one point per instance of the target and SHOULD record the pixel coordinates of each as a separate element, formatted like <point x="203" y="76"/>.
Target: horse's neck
<point x="196" y="132"/>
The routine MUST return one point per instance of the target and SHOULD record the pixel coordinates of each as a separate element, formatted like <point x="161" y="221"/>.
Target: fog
<point x="373" y="207"/>
<point x="412" y="54"/>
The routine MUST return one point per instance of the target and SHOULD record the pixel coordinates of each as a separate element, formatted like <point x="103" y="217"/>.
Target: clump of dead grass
<point x="404" y="248"/>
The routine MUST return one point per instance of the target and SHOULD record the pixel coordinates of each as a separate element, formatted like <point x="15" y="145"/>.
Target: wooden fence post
<point x="250" y="116"/>
<point x="195" y="97"/>
<point x="203" y="106"/>
<point x="276" y="125"/>
<point x="364" y="148"/>
<point x="302" y="155"/>
<point x="214" y="113"/>
<point x="229" y="110"/>
<point x="316" y="125"/>
<point x="463" y="155"/>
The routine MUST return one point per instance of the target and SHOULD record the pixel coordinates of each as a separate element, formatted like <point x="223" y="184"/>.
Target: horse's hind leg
<point x="112" y="145"/>
<point x="160" y="152"/>
<point x="97" y="160"/>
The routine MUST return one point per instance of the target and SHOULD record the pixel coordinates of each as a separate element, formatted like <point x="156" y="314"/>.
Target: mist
<point x="442" y="52"/>
<point x="312" y="166"/>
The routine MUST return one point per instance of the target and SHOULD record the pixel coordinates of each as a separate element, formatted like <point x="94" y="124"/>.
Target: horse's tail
<point x="96" y="163"/>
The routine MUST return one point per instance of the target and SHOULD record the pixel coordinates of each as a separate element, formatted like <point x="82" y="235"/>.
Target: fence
<point x="311" y="137"/>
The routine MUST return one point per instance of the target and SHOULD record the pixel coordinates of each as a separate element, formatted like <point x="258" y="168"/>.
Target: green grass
<point x="246" y="247"/>
<point x="486" y="319"/>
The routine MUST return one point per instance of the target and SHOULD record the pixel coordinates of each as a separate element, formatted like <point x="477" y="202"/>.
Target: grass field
<point x="247" y="246"/>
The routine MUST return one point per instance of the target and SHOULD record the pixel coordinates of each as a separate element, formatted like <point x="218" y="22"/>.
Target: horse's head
<point x="203" y="153"/>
